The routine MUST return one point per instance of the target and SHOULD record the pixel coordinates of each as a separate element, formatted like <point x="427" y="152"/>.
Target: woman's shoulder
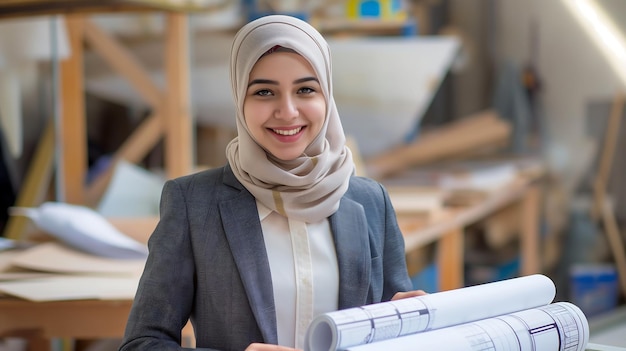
<point x="363" y="187"/>
<point x="213" y="177"/>
<point x="360" y="183"/>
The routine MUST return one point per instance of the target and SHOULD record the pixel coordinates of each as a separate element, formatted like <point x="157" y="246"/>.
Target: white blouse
<point x="305" y="276"/>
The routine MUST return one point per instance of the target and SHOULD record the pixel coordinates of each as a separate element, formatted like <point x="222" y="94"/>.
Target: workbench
<point x="447" y="230"/>
<point x="94" y="319"/>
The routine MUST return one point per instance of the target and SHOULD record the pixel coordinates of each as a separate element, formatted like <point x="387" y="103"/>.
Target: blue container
<point x="426" y="279"/>
<point x="593" y="288"/>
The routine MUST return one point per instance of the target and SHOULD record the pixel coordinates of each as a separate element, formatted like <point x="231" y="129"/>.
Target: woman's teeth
<point x="287" y="132"/>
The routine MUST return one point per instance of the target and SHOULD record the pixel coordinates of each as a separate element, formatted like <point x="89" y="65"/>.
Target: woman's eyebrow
<point x="306" y="79"/>
<point x="273" y="82"/>
<point x="262" y="81"/>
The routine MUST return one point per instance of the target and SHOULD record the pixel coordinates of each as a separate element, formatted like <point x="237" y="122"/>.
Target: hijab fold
<point x="309" y="187"/>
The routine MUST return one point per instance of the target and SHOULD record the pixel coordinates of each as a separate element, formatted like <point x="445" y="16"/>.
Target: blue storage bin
<point x="593" y="288"/>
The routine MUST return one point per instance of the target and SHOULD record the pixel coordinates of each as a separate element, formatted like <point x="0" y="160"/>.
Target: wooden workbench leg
<point x="73" y="128"/>
<point x="179" y="155"/>
<point x="450" y="260"/>
<point x="530" y="236"/>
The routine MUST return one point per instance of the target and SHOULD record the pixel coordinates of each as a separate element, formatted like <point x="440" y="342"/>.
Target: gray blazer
<point x="208" y="263"/>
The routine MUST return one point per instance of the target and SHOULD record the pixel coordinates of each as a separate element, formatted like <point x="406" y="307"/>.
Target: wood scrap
<point x="474" y="132"/>
<point x="502" y="227"/>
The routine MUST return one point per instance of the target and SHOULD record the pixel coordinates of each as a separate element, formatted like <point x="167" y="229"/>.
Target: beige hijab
<point x="309" y="187"/>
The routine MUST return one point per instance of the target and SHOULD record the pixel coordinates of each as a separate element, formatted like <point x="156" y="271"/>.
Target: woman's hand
<point x="267" y="347"/>
<point x="407" y="294"/>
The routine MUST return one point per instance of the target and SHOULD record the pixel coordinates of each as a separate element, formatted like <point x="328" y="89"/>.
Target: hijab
<point x="309" y="187"/>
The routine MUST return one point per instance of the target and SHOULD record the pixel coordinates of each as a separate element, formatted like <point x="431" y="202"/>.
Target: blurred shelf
<point x="16" y="8"/>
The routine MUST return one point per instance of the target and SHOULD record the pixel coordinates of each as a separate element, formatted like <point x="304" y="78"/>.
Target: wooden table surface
<point x="446" y="230"/>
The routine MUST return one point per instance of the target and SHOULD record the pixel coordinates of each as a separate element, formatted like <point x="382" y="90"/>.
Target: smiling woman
<point x="252" y="251"/>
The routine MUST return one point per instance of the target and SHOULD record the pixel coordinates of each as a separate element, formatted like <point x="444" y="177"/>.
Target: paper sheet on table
<point x="67" y="287"/>
<point x="9" y="272"/>
<point x="57" y="258"/>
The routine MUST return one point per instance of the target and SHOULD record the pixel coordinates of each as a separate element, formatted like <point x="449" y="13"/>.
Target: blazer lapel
<point x="350" y="231"/>
<point x="243" y="232"/>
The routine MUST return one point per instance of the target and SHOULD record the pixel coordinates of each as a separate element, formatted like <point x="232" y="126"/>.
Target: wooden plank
<point x="36" y="183"/>
<point x="73" y="128"/>
<point x="450" y="259"/>
<point x="143" y="139"/>
<point x="179" y="139"/>
<point x="456" y="138"/>
<point x="78" y="318"/>
<point x="16" y="8"/>
<point x="133" y="150"/>
<point x="122" y="61"/>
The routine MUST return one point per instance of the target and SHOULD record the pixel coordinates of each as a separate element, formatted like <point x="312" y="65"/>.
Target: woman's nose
<point x="286" y="109"/>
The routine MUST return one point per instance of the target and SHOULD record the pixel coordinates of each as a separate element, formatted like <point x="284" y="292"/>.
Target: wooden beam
<point x="474" y="132"/>
<point x="18" y="8"/>
<point x="73" y="128"/>
<point x="450" y="260"/>
<point x="124" y="63"/>
<point x="179" y="157"/>
<point x="133" y="150"/>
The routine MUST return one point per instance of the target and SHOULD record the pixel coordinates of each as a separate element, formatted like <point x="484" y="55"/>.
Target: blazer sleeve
<point x="394" y="264"/>
<point x="165" y="294"/>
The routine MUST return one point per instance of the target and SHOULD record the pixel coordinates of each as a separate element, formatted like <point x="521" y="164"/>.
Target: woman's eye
<point x="306" y="90"/>
<point x="263" y="92"/>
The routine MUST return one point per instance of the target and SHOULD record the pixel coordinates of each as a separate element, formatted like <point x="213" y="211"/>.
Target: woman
<point x="251" y="252"/>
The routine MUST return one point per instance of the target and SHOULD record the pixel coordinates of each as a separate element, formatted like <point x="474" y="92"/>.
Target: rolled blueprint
<point x="560" y="326"/>
<point x="342" y="329"/>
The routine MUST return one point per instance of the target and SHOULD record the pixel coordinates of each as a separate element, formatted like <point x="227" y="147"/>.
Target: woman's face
<point x="284" y="107"/>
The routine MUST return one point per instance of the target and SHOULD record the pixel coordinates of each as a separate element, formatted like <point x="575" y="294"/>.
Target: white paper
<point x="132" y="192"/>
<point x="84" y="229"/>
<point x="373" y="323"/>
<point x="6" y="244"/>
